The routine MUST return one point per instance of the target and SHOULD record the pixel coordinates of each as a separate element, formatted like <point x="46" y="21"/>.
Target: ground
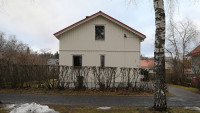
<point x="120" y="104"/>
<point x="184" y="97"/>
<point x="113" y="109"/>
<point x="181" y="98"/>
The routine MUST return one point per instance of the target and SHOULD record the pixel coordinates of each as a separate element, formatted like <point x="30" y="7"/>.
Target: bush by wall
<point x="65" y="77"/>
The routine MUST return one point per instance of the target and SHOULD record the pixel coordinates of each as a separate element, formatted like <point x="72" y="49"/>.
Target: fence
<point x="64" y="77"/>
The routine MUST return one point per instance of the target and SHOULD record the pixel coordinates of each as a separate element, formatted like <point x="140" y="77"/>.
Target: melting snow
<point x="29" y="108"/>
<point x="193" y="108"/>
<point x="104" y="108"/>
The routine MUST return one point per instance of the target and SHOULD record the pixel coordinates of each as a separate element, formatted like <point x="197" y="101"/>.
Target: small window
<point x="102" y="58"/>
<point x="99" y="33"/>
<point x="77" y="61"/>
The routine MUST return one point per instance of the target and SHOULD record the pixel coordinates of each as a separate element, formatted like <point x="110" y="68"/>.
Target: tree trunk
<point x="160" y="102"/>
<point x="183" y="62"/>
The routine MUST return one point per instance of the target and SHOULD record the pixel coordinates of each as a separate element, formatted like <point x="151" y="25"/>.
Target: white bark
<point x="159" y="57"/>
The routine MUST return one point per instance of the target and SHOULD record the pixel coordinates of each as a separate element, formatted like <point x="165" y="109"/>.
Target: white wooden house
<point x="195" y="60"/>
<point x="99" y="40"/>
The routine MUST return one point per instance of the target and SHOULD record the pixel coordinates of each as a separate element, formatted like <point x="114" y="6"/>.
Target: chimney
<point x="87" y="16"/>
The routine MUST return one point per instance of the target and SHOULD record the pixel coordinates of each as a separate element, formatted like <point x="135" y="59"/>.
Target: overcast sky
<point x="35" y="21"/>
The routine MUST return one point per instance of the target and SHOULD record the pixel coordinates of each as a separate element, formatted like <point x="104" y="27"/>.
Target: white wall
<point x="196" y="64"/>
<point x="118" y="51"/>
<point x="92" y="58"/>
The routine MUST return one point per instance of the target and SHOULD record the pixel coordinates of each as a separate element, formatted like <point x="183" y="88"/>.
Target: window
<point x="99" y="33"/>
<point x="102" y="59"/>
<point x="77" y="60"/>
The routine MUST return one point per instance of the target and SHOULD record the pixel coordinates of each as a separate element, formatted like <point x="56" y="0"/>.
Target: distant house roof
<point x="142" y="36"/>
<point x="147" y="63"/>
<point x="196" y="51"/>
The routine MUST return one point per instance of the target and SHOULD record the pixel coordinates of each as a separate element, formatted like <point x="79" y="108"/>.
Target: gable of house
<point x="195" y="59"/>
<point x="100" y="13"/>
<point x="83" y="37"/>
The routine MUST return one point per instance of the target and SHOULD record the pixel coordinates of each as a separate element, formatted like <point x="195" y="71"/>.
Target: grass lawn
<point x="195" y="90"/>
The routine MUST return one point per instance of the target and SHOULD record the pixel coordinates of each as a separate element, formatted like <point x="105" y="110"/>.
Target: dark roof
<point x="196" y="51"/>
<point x="105" y="15"/>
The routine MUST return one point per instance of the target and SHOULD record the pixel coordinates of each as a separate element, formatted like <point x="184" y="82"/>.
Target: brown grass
<point x="82" y="93"/>
<point x="195" y="90"/>
<point x="115" y="109"/>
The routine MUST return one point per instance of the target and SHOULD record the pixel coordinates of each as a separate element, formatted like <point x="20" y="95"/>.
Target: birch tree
<point x="160" y="102"/>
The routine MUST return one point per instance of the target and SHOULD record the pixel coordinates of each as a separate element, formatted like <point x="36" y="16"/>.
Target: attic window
<point x="99" y="33"/>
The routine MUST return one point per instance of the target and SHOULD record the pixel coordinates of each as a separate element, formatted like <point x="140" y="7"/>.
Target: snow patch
<point x="29" y="108"/>
<point x="193" y="108"/>
<point x="104" y="108"/>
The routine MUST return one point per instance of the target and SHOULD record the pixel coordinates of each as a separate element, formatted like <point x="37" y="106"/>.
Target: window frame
<point x="102" y="57"/>
<point x="73" y="60"/>
<point x="96" y="32"/>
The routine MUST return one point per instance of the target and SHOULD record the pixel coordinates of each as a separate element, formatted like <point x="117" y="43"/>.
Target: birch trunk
<point x="159" y="57"/>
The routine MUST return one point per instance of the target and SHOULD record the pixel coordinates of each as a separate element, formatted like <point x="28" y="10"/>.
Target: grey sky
<point x="35" y="21"/>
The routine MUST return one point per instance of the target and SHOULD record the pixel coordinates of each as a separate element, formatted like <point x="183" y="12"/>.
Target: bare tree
<point x="180" y="36"/>
<point x="17" y="52"/>
<point x="2" y="41"/>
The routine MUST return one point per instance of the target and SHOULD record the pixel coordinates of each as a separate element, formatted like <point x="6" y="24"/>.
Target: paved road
<point x="181" y="98"/>
<point x="77" y="100"/>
